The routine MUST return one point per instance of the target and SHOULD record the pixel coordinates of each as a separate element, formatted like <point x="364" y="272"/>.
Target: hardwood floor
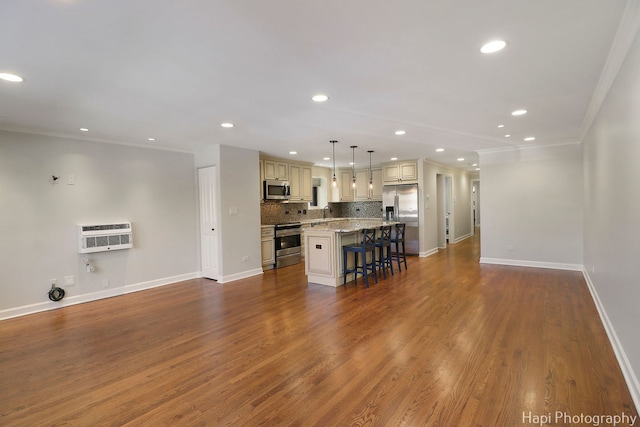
<point x="448" y="342"/>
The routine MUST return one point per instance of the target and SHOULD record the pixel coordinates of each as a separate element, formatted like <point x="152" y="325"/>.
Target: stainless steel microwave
<point x="276" y="190"/>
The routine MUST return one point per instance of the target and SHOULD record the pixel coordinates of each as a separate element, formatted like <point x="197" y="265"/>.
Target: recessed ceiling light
<point x="530" y="138"/>
<point x="461" y="159"/>
<point x="477" y="169"/>
<point x="493" y="46"/>
<point x="393" y="158"/>
<point x="474" y="164"/>
<point x="326" y="158"/>
<point x="227" y="125"/>
<point x="519" y="112"/>
<point x="439" y="150"/>
<point x="500" y="126"/>
<point x="293" y="152"/>
<point x="507" y="136"/>
<point x="401" y="132"/>
<point x="151" y="139"/>
<point x="320" y="97"/>
<point x="11" y="77"/>
<point x="84" y="129"/>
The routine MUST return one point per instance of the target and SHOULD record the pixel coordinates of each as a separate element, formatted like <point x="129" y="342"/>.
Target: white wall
<point x="612" y="212"/>
<point x="239" y="177"/>
<point x="430" y="205"/>
<point x="532" y="206"/>
<point x="153" y="189"/>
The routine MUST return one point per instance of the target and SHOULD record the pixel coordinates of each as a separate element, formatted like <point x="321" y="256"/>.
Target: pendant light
<point x="353" y="166"/>
<point x="370" y="173"/>
<point x="334" y="182"/>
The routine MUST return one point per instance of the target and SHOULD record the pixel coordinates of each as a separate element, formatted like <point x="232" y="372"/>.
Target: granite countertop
<point x="320" y="221"/>
<point x="350" y="225"/>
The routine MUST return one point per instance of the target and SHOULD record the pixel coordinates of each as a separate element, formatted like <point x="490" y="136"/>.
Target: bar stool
<point x="367" y="245"/>
<point x="398" y="239"/>
<point x="384" y="250"/>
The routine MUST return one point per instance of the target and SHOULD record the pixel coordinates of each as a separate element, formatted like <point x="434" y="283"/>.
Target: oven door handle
<point x="284" y="233"/>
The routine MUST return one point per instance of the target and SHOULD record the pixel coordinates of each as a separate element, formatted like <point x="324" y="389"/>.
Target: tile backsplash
<point x="278" y="212"/>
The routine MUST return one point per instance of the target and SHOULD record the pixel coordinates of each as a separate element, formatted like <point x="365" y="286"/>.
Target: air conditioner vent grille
<point x="104" y="237"/>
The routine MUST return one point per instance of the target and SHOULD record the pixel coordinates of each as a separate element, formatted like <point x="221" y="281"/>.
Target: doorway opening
<point x="445" y="200"/>
<point x="475" y="205"/>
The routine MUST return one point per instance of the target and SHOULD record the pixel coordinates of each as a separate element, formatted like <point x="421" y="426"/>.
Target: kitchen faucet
<point x="324" y="211"/>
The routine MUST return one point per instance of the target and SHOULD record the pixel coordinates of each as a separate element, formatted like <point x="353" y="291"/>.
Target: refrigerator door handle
<point x="396" y="207"/>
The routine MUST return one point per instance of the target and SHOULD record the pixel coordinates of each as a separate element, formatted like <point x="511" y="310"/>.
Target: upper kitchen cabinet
<point x="344" y="182"/>
<point x="275" y="169"/>
<point x="401" y="172"/>
<point x="376" y="191"/>
<point x="297" y="173"/>
<point x="362" y="191"/>
<point x="301" y="183"/>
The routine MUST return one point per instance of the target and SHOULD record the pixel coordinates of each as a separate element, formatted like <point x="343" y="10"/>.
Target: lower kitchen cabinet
<point x="268" y="247"/>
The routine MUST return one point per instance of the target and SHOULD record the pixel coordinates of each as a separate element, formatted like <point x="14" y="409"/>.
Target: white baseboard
<point x="160" y="282"/>
<point x="93" y="296"/>
<point x="461" y="238"/>
<point x="428" y="253"/>
<point x="535" y="264"/>
<point x="241" y="275"/>
<point x="627" y="370"/>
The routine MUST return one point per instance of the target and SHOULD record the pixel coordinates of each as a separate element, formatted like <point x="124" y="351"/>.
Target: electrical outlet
<point x="105" y="283"/>
<point x="53" y="282"/>
<point x="70" y="280"/>
<point x="245" y="258"/>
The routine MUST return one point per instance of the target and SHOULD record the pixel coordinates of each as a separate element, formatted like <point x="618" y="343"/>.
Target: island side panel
<point x="319" y="252"/>
<point x="323" y="256"/>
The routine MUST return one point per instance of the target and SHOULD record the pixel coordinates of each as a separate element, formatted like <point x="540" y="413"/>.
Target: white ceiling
<point x="175" y="70"/>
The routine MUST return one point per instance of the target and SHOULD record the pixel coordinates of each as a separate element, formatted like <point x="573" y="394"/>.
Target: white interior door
<point x="208" y="188"/>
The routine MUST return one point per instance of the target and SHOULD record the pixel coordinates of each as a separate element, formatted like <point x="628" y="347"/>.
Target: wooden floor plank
<point x="447" y="341"/>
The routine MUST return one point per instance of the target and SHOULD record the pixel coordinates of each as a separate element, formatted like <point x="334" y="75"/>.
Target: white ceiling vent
<point x="104" y="237"/>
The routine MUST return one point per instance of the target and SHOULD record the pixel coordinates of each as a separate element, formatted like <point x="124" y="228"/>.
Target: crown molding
<point x="529" y="147"/>
<point x="625" y="36"/>
<point x="90" y="139"/>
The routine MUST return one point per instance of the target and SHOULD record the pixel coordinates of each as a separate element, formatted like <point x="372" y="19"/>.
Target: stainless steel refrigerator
<point x="400" y="203"/>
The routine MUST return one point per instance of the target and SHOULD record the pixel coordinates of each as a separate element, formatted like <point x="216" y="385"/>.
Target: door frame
<point x="444" y="188"/>
<point x="474" y="203"/>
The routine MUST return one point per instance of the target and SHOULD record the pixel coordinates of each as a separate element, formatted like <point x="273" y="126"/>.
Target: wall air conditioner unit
<point x="104" y="237"/>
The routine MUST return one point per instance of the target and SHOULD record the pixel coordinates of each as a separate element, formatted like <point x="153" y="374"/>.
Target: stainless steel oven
<point x="288" y="247"/>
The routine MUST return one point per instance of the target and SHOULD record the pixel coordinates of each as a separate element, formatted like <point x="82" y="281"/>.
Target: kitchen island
<point x="323" y="248"/>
